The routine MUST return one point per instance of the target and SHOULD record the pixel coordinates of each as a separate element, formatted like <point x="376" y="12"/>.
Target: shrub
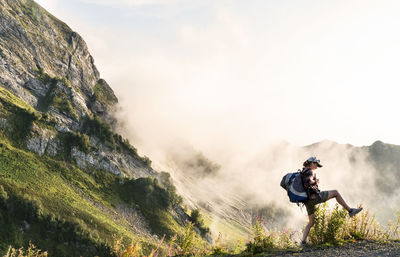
<point x="394" y="228"/>
<point x="149" y="194"/>
<point x="43" y="77"/>
<point x="198" y="221"/>
<point x="364" y="226"/>
<point x="77" y="139"/>
<point x="218" y="248"/>
<point x="168" y="185"/>
<point x="95" y="126"/>
<point x="266" y="240"/>
<point x="152" y="200"/>
<point x="62" y="102"/>
<point x="120" y="250"/>
<point x="327" y="224"/>
<point x="103" y="93"/>
<point x="54" y="96"/>
<point x="187" y="244"/>
<point x="262" y="241"/>
<point x="22" y="121"/>
<point x="127" y="146"/>
<point x="146" y="160"/>
<point x="332" y="226"/>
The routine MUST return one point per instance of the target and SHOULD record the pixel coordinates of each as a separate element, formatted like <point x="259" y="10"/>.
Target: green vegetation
<point x="153" y="201"/>
<point x="103" y="131"/>
<point x="22" y="121"/>
<point x="32" y="9"/>
<point x="63" y="103"/>
<point x="103" y="93"/>
<point x="196" y="218"/>
<point x="19" y="115"/>
<point x="186" y="243"/>
<point x="32" y="251"/>
<point x="335" y="226"/>
<point x="10" y="100"/>
<point x="23" y="217"/>
<point x="73" y="139"/>
<point x="96" y="127"/>
<point x="167" y="184"/>
<point x="59" y="207"/>
<point x="62" y="204"/>
<point x="266" y="240"/>
<point x="56" y="96"/>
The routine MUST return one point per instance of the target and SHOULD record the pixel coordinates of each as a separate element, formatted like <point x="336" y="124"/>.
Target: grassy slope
<point x="67" y="195"/>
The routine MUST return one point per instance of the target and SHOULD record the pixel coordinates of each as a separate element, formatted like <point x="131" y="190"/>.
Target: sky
<point x="221" y="74"/>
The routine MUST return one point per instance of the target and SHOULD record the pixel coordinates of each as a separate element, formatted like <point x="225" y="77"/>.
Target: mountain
<point x="68" y="181"/>
<point x="48" y="66"/>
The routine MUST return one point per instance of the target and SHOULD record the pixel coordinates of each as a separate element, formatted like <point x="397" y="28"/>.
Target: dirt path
<point x="361" y="248"/>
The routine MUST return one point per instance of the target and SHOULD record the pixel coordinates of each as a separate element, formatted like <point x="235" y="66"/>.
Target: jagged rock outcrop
<point x="48" y="66"/>
<point x="31" y="39"/>
<point x="43" y="141"/>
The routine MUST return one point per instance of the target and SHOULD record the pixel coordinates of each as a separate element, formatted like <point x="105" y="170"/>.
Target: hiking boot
<point x="353" y="211"/>
<point x="303" y="244"/>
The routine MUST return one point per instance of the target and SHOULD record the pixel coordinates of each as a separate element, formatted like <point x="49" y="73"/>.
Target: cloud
<point x="248" y="182"/>
<point x="133" y="2"/>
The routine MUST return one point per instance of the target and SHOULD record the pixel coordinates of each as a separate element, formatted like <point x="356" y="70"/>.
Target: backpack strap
<point x="304" y="171"/>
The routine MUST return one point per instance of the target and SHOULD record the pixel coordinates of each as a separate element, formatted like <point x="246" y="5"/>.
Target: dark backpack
<point x="293" y="184"/>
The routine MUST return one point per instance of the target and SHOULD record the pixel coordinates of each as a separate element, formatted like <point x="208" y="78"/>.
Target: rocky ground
<point x="354" y="249"/>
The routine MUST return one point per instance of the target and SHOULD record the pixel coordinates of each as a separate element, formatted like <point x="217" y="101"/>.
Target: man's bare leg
<point x="308" y="227"/>
<point x="339" y="198"/>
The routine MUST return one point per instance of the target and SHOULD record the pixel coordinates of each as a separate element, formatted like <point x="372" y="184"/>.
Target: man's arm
<point x="313" y="179"/>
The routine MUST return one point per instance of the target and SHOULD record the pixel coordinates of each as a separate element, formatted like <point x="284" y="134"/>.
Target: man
<point x="315" y="196"/>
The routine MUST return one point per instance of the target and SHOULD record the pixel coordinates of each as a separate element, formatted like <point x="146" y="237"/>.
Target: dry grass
<point x="32" y="251"/>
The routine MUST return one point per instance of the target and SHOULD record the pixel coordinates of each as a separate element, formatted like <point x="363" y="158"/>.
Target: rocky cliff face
<point x="32" y="40"/>
<point x="48" y="66"/>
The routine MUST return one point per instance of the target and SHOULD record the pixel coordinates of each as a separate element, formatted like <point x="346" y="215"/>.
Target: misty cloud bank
<point x="241" y="185"/>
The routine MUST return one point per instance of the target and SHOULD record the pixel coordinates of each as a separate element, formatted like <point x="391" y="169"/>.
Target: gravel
<point x="354" y="249"/>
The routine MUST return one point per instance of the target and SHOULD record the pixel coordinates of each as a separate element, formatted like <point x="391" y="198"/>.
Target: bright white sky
<point x="247" y="72"/>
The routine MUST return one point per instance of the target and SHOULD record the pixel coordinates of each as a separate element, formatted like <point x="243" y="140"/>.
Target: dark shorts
<point x="310" y="204"/>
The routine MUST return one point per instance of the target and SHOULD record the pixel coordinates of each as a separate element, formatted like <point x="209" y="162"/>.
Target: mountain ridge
<point x="68" y="181"/>
<point x="63" y="162"/>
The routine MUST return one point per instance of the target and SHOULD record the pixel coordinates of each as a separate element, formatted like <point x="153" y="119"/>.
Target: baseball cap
<point x="314" y="159"/>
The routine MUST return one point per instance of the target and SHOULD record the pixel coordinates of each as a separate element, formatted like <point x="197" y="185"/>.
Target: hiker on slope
<point x="315" y="196"/>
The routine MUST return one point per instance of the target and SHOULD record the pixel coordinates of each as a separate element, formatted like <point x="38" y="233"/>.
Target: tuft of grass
<point x="328" y="224"/>
<point x="336" y="226"/>
<point x="103" y="93"/>
<point x="197" y="219"/>
<point x="394" y="227"/>
<point x="218" y="248"/>
<point x="96" y="127"/>
<point x="268" y="240"/>
<point x="186" y="243"/>
<point x="11" y="100"/>
<point x="32" y="251"/>
<point x="56" y="95"/>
